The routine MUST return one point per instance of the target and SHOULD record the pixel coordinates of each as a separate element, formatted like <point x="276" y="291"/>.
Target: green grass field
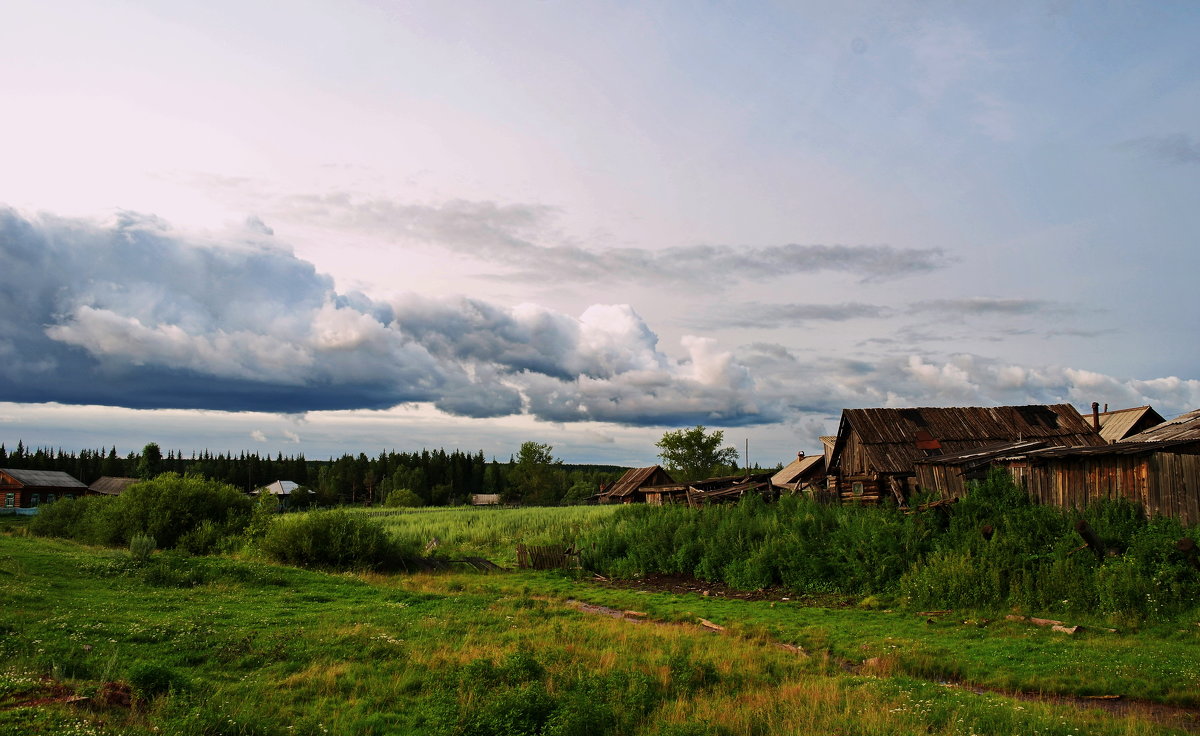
<point x="236" y="646"/>
<point x="492" y="533"/>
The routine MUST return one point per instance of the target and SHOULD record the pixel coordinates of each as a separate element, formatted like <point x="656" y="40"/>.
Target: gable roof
<point x="279" y="488"/>
<point x="799" y="468"/>
<point x="112" y="485"/>
<point x="889" y="437"/>
<point x="43" y="478"/>
<point x="1121" y="423"/>
<point x="635" y="478"/>
<point x="1183" y="427"/>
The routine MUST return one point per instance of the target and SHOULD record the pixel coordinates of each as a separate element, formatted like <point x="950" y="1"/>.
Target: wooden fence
<point x="553" y="557"/>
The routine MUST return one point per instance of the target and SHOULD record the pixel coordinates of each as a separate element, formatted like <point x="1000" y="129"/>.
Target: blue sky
<point x="342" y="227"/>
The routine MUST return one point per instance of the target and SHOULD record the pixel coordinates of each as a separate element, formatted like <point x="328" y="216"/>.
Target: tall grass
<point x="492" y="532"/>
<point x="1032" y="558"/>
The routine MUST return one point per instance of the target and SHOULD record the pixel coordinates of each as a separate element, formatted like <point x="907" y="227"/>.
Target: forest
<point x="436" y="477"/>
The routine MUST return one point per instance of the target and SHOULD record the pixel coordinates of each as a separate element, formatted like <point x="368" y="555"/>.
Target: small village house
<point x="485" y="499"/>
<point x="24" y="490"/>
<point x="803" y="473"/>
<point x="280" y="489"/>
<point x="1183" y="427"/>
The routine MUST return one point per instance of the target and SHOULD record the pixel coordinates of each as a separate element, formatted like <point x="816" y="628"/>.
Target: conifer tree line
<point x="435" y="477"/>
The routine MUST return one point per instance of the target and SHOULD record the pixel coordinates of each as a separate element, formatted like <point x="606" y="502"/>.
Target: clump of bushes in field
<point x="185" y="512"/>
<point x="1031" y="559"/>
<point x="337" y="540"/>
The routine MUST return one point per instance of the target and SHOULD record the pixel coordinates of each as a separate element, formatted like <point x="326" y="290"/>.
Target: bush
<point x="141" y="547"/>
<point x="171" y="509"/>
<point x="403" y="498"/>
<point x="336" y="540"/>
<point x="149" y="680"/>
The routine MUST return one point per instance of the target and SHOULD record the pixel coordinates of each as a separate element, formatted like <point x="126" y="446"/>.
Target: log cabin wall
<point x="1164" y="483"/>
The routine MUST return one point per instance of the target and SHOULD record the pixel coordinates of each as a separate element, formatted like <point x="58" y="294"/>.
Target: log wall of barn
<point x="1165" y="484"/>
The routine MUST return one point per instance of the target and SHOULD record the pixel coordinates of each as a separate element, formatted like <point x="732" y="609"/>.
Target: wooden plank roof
<point x="1119" y="424"/>
<point x="799" y="468"/>
<point x="635" y="478"/>
<point x="42" y="478"/>
<point x="111" y="485"/>
<point x="1183" y="427"/>
<point x="889" y="437"/>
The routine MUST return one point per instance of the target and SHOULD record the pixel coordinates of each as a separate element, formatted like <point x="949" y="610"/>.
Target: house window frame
<point x="10" y="500"/>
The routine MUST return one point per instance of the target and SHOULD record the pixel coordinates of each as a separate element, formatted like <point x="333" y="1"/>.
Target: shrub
<point x="141" y="546"/>
<point x="336" y="540"/>
<point x="149" y="680"/>
<point x="403" y="498"/>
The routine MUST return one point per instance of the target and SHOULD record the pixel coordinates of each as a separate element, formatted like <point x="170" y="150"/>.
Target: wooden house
<point x="28" y="489"/>
<point x="805" y="472"/>
<point x="1121" y="424"/>
<point x="629" y="487"/>
<point x="110" y="485"/>
<point x="485" y="499"/>
<point x="723" y="489"/>
<point x="876" y="450"/>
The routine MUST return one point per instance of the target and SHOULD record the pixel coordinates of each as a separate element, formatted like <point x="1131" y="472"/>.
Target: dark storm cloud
<point x="512" y="237"/>
<point x="131" y="313"/>
<point x="1178" y="148"/>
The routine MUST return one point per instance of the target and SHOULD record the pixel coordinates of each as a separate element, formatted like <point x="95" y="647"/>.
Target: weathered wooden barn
<point x="876" y="450"/>
<point x="1121" y="424"/>
<point x="1164" y="477"/>
<point x="629" y="487"/>
<point x="947" y="475"/>
<point x="28" y="489"/>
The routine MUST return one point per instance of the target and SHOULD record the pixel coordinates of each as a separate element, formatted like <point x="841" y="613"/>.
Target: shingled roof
<point x="890" y="438"/>
<point x="43" y="478"/>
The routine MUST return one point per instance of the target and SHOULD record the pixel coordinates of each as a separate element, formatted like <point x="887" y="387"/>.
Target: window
<point x="10" y="500"/>
<point x="33" y="500"/>
<point x="857" y="488"/>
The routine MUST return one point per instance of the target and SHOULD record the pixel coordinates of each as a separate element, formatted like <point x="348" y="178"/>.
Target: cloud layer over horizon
<point x="132" y="313"/>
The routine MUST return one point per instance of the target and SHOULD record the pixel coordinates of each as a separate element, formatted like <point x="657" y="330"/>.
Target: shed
<point x="28" y="489"/>
<point x="485" y="499"/>
<point x="628" y="488"/>
<point x="1183" y="427"/>
<point x="1163" y="476"/>
<point x="947" y="475"/>
<point x="1120" y="424"/>
<point x="876" y="450"/>
<point x="110" y="485"/>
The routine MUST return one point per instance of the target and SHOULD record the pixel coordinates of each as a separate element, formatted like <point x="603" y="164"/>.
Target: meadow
<point x="491" y="532"/>
<point x="236" y="645"/>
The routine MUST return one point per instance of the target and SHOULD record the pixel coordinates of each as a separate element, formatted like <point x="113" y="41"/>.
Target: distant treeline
<point x="437" y="477"/>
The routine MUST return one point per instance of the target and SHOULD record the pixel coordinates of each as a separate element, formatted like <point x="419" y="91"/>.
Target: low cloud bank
<point x="132" y="313"/>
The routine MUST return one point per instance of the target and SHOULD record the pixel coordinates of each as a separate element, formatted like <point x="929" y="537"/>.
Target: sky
<point x="328" y="227"/>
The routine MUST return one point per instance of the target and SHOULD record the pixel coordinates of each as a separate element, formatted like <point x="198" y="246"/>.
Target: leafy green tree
<point x="150" y="463"/>
<point x="694" y="454"/>
<point x="536" y="476"/>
